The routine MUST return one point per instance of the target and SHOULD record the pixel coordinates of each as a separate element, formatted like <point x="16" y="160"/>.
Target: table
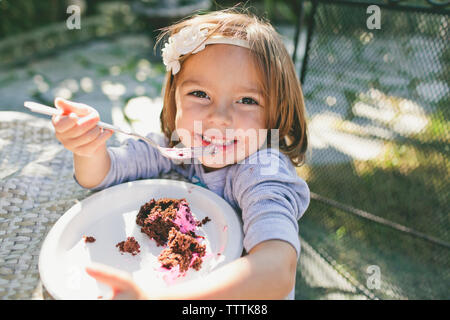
<point x="36" y="188"/>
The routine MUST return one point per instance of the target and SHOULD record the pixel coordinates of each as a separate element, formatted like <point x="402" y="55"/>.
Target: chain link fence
<point x="378" y="164"/>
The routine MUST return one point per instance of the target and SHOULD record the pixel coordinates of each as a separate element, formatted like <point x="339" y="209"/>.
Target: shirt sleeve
<point x="272" y="200"/>
<point x="135" y="160"/>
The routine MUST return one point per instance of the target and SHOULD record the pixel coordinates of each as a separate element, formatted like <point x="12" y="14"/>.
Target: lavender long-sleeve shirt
<point x="264" y="188"/>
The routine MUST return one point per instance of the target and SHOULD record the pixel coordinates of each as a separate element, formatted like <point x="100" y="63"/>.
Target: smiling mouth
<point x="218" y="143"/>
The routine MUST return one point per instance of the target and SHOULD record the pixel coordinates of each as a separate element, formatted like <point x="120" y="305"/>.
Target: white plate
<point x="110" y="217"/>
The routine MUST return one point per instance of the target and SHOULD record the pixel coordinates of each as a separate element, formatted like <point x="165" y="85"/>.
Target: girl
<point x="230" y="83"/>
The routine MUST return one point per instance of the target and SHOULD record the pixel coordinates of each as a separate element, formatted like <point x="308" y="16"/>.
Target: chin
<point x="219" y="160"/>
<point x="213" y="163"/>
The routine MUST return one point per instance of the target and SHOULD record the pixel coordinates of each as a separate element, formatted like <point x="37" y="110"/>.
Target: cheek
<point x="256" y="133"/>
<point x="190" y="116"/>
<point x="183" y="117"/>
<point x="186" y="110"/>
<point x="178" y="119"/>
<point x="252" y="143"/>
<point x="180" y="114"/>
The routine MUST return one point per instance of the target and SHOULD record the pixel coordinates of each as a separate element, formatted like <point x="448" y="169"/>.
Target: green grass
<point x="407" y="184"/>
<point x="410" y="267"/>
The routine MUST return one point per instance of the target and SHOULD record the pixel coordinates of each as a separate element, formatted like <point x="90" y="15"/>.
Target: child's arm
<point x="90" y="171"/>
<point x="77" y="130"/>
<point x="267" y="272"/>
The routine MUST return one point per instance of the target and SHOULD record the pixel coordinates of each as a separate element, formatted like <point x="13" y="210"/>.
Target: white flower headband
<point x="192" y="39"/>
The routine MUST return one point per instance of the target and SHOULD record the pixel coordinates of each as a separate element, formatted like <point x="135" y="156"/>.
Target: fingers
<point x="84" y="139"/>
<point x="115" y="278"/>
<point x="121" y="283"/>
<point x="91" y="147"/>
<point x="68" y="107"/>
<point x="76" y="118"/>
<point x="77" y="126"/>
<point x="64" y="123"/>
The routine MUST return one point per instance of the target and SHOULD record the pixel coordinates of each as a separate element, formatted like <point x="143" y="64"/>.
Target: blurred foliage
<point x="277" y="11"/>
<point x="18" y="16"/>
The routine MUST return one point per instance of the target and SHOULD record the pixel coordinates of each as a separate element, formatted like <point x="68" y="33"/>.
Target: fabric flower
<point x="189" y="39"/>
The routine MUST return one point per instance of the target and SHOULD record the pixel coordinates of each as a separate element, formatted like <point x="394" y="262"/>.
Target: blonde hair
<point x="281" y="88"/>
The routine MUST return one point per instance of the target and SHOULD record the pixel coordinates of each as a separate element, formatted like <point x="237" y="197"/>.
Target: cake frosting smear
<point x="184" y="218"/>
<point x="172" y="225"/>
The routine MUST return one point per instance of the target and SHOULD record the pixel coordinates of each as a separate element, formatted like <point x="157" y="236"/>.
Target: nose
<point x="221" y="114"/>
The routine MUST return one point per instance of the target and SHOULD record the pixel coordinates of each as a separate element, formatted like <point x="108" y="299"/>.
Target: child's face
<point x="219" y="101"/>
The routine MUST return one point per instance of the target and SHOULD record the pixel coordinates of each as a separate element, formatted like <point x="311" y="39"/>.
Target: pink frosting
<point x="171" y="275"/>
<point x="184" y="219"/>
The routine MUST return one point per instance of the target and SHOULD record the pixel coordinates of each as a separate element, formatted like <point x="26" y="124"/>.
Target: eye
<point x="199" y="94"/>
<point x="247" y="100"/>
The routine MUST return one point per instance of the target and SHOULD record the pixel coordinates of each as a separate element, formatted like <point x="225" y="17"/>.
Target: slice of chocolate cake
<point x="170" y="222"/>
<point x="157" y="217"/>
<point x="182" y="250"/>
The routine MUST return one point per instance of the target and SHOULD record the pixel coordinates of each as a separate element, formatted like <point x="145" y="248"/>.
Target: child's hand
<point x="77" y="128"/>
<point x="123" y="287"/>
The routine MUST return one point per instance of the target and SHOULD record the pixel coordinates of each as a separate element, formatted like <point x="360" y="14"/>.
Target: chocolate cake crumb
<point x="204" y="221"/>
<point x="197" y="264"/>
<point x="130" y="246"/>
<point x="88" y="239"/>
